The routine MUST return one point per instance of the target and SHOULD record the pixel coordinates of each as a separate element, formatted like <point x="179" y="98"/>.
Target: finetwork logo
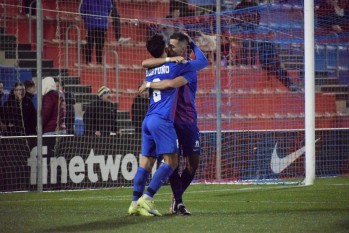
<point x="80" y="167"/>
<point x="278" y="164"/>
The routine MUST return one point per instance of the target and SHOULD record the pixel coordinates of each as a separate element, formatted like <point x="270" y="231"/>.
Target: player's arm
<point x="154" y="62"/>
<point x="201" y="61"/>
<point x="164" y="84"/>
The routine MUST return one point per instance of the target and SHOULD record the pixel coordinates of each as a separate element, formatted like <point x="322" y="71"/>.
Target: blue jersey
<point x="164" y="103"/>
<point x="186" y="108"/>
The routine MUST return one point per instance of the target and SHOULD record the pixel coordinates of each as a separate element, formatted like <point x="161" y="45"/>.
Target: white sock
<point x="146" y="197"/>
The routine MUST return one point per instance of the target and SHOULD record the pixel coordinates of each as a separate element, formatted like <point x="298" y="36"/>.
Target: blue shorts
<point x="158" y="137"/>
<point x="189" y="139"/>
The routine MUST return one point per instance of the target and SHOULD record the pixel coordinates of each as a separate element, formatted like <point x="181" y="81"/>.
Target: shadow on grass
<point x="108" y="224"/>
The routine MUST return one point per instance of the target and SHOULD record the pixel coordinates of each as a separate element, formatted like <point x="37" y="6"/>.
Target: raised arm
<point x="200" y="61"/>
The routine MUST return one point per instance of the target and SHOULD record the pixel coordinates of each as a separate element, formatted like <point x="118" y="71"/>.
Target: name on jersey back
<point x="164" y="69"/>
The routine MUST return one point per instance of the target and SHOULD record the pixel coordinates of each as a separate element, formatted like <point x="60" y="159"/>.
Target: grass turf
<point x="322" y="207"/>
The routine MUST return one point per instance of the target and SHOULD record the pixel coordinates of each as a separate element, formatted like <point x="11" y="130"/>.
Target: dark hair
<point x="156" y="45"/>
<point x="29" y="83"/>
<point x="17" y="84"/>
<point x="180" y="36"/>
<point x="12" y="92"/>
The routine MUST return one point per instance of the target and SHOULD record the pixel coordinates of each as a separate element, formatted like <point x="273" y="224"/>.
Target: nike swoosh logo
<point x="278" y="164"/>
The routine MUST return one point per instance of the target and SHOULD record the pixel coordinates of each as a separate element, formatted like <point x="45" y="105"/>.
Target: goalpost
<point x="309" y="92"/>
<point x="270" y="98"/>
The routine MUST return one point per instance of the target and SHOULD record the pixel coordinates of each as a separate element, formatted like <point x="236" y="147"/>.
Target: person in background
<point x="69" y="101"/>
<point x="183" y="6"/>
<point x="333" y="15"/>
<point x="172" y="23"/>
<point x="95" y="14"/>
<point x="249" y="21"/>
<point x="100" y="116"/>
<point x="19" y="113"/>
<point x="3" y="99"/>
<point x="27" y="4"/>
<point x="53" y="108"/>
<point x="139" y="109"/>
<point x="117" y="25"/>
<point x="270" y="62"/>
<point x="30" y="91"/>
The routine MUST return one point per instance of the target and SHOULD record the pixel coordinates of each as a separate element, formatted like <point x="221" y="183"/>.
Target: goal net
<point x="250" y="98"/>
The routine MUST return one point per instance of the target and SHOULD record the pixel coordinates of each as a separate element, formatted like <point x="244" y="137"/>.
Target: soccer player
<point x="185" y="119"/>
<point x="159" y="137"/>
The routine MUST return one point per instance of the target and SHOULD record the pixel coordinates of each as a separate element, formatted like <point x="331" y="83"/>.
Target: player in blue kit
<point x="186" y="116"/>
<point x="158" y="133"/>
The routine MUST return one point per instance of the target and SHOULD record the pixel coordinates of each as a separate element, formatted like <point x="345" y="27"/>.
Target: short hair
<point x="17" y="84"/>
<point x="156" y="45"/>
<point x="180" y="36"/>
<point x="29" y="84"/>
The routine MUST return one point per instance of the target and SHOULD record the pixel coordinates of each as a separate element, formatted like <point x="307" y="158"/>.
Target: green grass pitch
<point x="322" y="207"/>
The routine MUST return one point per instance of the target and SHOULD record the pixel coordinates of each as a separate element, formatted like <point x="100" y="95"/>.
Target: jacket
<point x="95" y="13"/>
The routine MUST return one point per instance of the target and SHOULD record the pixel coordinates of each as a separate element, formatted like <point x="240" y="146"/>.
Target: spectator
<point x="95" y="15"/>
<point x="30" y="91"/>
<point x="53" y="108"/>
<point x="69" y="101"/>
<point x="27" y="4"/>
<point x="117" y="25"/>
<point x="167" y="26"/>
<point x="62" y="102"/>
<point x="183" y="6"/>
<point x="270" y="62"/>
<point x="100" y="116"/>
<point x="3" y="100"/>
<point x="345" y="22"/>
<point x="139" y="109"/>
<point x="332" y="15"/>
<point x="249" y="21"/>
<point x="3" y="94"/>
<point x="171" y="24"/>
<point x="19" y="113"/>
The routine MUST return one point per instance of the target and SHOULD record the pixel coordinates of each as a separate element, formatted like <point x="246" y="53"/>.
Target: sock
<point x="159" y="178"/>
<point x="139" y="183"/>
<point x="186" y="179"/>
<point x="176" y="185"/>
<point x="146" y="197"/>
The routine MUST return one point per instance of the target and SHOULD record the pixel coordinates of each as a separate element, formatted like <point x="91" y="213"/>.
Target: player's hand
<point x="142" y="88"/>
<point x="190" y="39"/>
<point x="178" y="59"/>
<point x="144" y="95"/>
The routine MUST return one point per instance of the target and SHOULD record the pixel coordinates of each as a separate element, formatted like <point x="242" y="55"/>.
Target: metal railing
<point x="79" y="47"/>
<point x="4" y="16"/>
<point x="30" y="22"/>
<point x="116" y="72"/>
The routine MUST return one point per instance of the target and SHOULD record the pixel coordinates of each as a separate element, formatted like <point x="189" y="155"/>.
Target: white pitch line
<point x="128" y="197"/>
<point x="117" y="198"/>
